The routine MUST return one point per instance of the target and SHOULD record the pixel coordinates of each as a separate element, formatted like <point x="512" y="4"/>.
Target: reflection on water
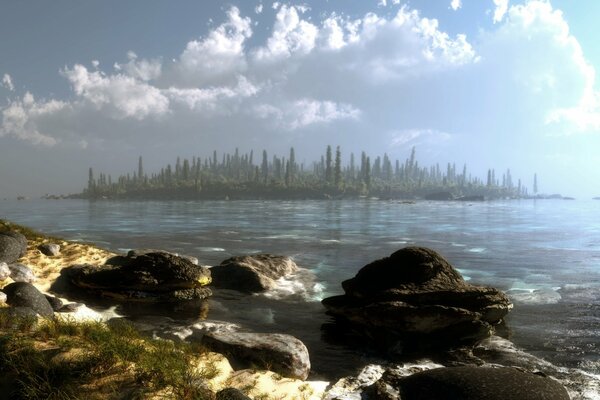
<point x="546" y="254"/>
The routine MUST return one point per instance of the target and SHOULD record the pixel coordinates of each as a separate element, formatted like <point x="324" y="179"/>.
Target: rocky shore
<point x="439" y="335"/>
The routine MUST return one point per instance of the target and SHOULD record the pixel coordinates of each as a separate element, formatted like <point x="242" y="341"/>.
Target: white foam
<point x="477" y="250"/>
<point x="211" y="249"/>
<point x="534" y="296"/>
<point x="301" y="284"/>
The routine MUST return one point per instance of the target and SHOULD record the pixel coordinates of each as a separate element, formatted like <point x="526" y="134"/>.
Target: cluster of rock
<point x="414" y="300"/>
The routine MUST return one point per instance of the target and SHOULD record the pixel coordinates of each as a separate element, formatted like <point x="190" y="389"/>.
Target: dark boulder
<point x="232" y="394"/>
<point x="49" y="249"/>
<point x="279" y="353"/>
<point x="252" y="273"/>
<point x="468" y="383"/>
<point x="414" y="299"/>
<point x="23" y="294"/>
<point x="140" y="252"/>
<point x="151" y="277"/>
<point x="13" y="246"/>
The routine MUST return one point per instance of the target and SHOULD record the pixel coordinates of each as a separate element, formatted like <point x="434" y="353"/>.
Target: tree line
<point x="248" y="176"/>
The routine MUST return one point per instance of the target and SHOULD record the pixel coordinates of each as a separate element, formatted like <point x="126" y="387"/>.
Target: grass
<point x="29" y="233"/>
<point x="88" y="360"/>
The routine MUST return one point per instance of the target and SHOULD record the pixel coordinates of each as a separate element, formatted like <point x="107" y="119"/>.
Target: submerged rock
<point x="150" y="277"/>
<point x="279" y="353"/>
<point x="23" y="294"/>
<point x="414" y="300"/>
<point x="252" y="273"/>
<point x="13" y="246"/>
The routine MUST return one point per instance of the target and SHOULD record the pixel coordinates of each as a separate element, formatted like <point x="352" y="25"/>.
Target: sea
<point x="545" y="254"/>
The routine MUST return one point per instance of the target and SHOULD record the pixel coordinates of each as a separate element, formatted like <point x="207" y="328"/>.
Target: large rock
<point x="468" y="383"/>
<point x="23" y="294"/>
<point x="13" y="246"/>
<point x="279" y="353"/>
<point x="151" y="277"/>
<point x="414" y="299"/>
<point x="252" y="273"/>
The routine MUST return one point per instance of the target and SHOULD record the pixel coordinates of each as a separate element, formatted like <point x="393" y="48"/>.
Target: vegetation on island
<point x="243" y="176"/>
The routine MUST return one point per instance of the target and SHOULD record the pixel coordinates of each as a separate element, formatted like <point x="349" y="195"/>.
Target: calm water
<point x="545" y="254"/>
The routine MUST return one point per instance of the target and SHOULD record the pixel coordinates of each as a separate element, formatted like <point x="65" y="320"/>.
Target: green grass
<point x="29" y="233"/>
<point x="136" y="366"/>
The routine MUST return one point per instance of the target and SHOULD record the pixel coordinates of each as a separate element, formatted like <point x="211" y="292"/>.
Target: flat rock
<point x="472" y="383"/>
<point x="252" y="273"/>
<point x="49" y="249"/>
<point x="13" y="246"/>
<point x="23" y="294"/>
<point x="140" y="252"/>
<point x="283" y="354"/>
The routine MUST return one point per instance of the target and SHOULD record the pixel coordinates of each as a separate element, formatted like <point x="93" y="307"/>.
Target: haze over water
<point x="544" y="253"/>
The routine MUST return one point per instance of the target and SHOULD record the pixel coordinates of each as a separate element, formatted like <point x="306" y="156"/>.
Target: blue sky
<point x="490" y="83"/>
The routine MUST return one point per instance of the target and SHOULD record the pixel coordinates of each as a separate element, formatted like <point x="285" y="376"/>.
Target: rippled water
<point x="545" y="254"/>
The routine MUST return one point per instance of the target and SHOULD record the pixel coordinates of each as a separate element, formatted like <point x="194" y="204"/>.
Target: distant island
<point x="239" y="176"/>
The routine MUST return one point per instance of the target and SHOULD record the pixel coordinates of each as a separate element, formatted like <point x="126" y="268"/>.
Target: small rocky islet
<point x="408" y="307"/>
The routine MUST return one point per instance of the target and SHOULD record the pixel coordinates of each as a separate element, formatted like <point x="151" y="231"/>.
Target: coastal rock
<point x="279" y="353"/>
<point x="415" y="300"/>
<point x="151" y="277"/>
<point x="23" y="294"/>
<point x="140" y="252"/>
<point x="4" y="271"/>
<point x="253" y="273"/>
<point x="468" y="383"/>
<point x="49" y="249"/>
<point x="54" y="302"/>
<point x="13" y="246"/>
<point x="21" y="273"/>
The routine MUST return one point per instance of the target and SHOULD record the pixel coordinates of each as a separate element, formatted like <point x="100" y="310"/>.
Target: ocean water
<point x="545" y="254"/>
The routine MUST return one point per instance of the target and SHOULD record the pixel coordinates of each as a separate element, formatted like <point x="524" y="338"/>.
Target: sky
<point x="489" y="83"/>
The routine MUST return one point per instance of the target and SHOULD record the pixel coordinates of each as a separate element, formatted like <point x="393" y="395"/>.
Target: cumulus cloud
<point x="8" y="83"/>
<point x="305" y="112"/>
<point x="455" y="4"/>
<point x="500" y="10"/>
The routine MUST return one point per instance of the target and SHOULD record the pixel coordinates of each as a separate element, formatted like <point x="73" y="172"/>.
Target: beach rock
<point x="415" y="300"/>
<point x="23" y="294"/>
<point x="13" y="246"/>
<point x="140" y="252"/>
<point x="151" y="277"/>
<point x="54" y="302"/>
<point x="4" y="271"/>
<point x="283" y="354"/>
<point x="21" y="273"/>
<point x="467" y="383"/>
<point x="49" y="249"/>
<point x="252" y="273"/>
<point x="232" y="394"/>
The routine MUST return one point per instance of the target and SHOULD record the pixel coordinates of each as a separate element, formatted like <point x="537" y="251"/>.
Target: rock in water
<point x="253" y="273"/>
<point x="23" y="294"/>
<point x="280" y="353"/>
<point x="151" y="277"/>
<point x="21" y="273"/>
<point x="4" y="271"/>
<point x="469" y="383"/>
<point x="49" y="249"/>
<point x="13" y="246"/>
<point x="413" y="300"/>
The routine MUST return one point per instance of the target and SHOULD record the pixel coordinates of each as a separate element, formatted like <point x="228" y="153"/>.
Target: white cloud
<point x="455" y="4"/>
<point x="305" y="112"/>
<point x="121" y="95"/>
<point x="144" y="70"/>
<point x="382" y="3"/>
<point x="500" y="10"/>
<point x="8" y="83"/>
<point x="258" y="9"/>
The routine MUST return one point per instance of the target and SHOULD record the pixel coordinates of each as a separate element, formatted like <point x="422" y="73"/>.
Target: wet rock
<point x="469" y="383"/>
<point x="232" y="394"/>
<point x="252" y="273"/>
<point x="49" y="249"/>
<point x="4" y="271"/>
<point x="54" y="302"/>
<point x="150" y="277"/>
<point x="21" y="273"/>
<point x="140" y="252"/>
<point x="283" y="354"/>
<point x="13" y="246"/>
<point x="23" y="294"/>
<point x="415" y="300"/>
